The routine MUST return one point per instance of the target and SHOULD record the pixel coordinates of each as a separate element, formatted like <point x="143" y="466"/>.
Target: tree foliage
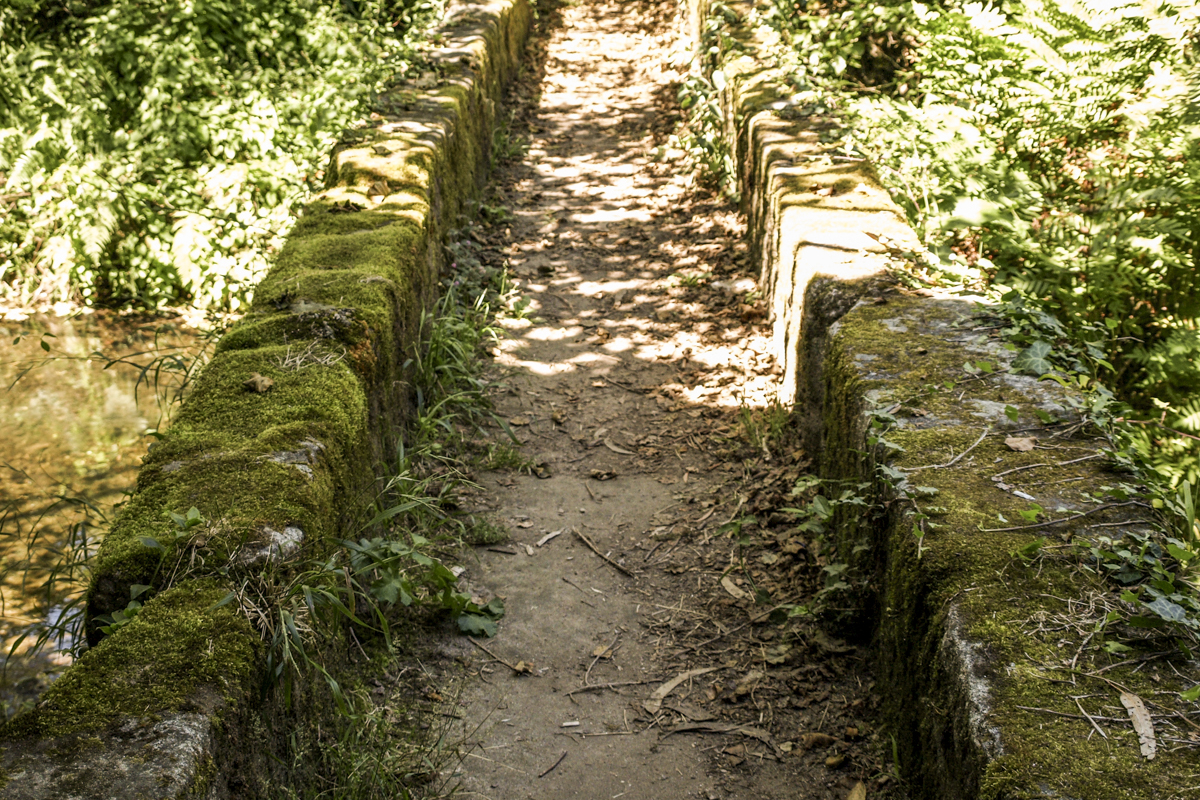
<point x="154" y="151"/>
<point x="1054" y="145"/>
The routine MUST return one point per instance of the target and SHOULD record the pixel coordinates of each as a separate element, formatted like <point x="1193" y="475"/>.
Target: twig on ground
<point x="580" y="588"/>
<point x="952" y="461"/>
<point x="1072" y="716"/>
<point x="596" y="550"/>
<point x="550" y="768"/>
<point x="1090" y="719"/>
<point x="1128" y="661"/>
<point x="493" y="655"/>
<point x="1071" y="518"/>
<point x="592" y="687"/>
<point x="610" y="650"/>
<point x="1092" y="457"/>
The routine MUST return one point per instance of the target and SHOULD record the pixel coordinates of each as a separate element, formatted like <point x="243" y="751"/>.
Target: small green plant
<point x="766" y="428"/>
<point x="506" y="145"/>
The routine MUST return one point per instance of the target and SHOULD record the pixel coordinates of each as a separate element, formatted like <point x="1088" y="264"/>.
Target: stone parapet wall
<point x="277" y="446"/>
<point x="983" y="618"/>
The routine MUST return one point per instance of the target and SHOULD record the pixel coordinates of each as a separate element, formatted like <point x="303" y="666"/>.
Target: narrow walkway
<point x="626" y="388"/>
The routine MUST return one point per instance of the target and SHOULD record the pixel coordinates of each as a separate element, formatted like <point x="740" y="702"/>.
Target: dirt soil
<point x="647" y="650"/>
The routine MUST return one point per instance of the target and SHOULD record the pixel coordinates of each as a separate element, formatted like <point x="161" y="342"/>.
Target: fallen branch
<point x="952" y="461"/>
<point x="592" y="687"/>
<point x="596" y="550"/>
<point x="513" y="667"/>
<point x="1072" y="716"/>
<point x="550" y="768"/>
<point x="1071" y="518"/>
<point x="1092" y="457"/>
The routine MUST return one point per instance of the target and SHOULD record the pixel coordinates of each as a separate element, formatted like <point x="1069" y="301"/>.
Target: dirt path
<point x="626" y="388"/>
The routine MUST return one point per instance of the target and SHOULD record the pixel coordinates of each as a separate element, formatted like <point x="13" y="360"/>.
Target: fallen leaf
<point x="258" y="383"/>
<point x="859" y="792"/>
<point x="542" y="471"/>
<point x="518" y="421"/>
<point x="1022" y="444"/>
<point x="525" y="524"/>
<point x="549" y="536"/>
<point x="748" y="683"/>
<point x="654" y="704"/>
<point x="731" y="587"/>
<point x="835" y="761"/>
<point x="603" y="651"/>
<point x="602" y="474"/>
<point x="1142" y="724"/>
<point x="812" y="740"/>
<point x="777" y="654"/>
<point x="523" y="668"/>
<point x="694" y="713"/>
<point x="725" y="727"/>
<point x="617" y="448"/>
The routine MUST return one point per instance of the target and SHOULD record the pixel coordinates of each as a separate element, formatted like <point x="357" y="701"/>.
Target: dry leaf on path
<point x="549" y="536"/>
<point x="1021" y="444"/>
<point x="731" y="587"/>
<point x="617" y="448"/>
<point x="811" y="740"/>
<point x="654" y="704"/>
<point x="859" y="792"/>
<point x="694" y="713"/>
<point x="724" y="727"/>
<point x="518" y="421"/>
<point x="1142" y="724"/>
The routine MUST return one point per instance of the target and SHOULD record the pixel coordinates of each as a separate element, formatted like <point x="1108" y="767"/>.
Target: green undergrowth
<point x="158" y="153"/>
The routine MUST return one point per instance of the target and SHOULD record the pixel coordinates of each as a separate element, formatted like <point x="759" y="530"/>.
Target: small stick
<point x="580" y="588"/>
<point x="1128" y="661"/>
<point x="1070" y="716"/>
<point x="611" y="652"/>
<point x="952" y="461"/>
<point x="595" y="686"/>
<point x="1056" y="464"/>
<point x="1065" y="519"/>
<point x="1089" y="718"/>
<point x="589" y="491"/>
<point x="596" y="550"/>
<point x="555" y="764"/>
<point x="493" y="655"/>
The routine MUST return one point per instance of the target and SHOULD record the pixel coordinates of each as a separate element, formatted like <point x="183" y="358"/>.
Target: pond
<point x="81" y="397"/>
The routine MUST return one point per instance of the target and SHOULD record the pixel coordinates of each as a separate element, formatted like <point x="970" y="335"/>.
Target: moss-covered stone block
<point x="980" y="689"/>
<point x="810" y="213"/>
<point x="139" y="714"/>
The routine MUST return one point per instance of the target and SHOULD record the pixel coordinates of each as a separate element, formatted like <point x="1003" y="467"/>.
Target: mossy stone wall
<point x="978" y="682"/>
<point x="278" y="447"/>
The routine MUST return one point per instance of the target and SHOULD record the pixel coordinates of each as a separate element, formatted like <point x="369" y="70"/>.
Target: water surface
<point x="77" y="397"/>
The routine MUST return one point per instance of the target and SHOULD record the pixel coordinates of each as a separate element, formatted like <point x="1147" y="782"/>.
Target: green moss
<point x="175" y="651"/>
<point x="961" y="566"/>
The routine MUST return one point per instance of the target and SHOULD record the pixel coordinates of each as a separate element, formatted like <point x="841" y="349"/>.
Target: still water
<point x="78" y="397"/>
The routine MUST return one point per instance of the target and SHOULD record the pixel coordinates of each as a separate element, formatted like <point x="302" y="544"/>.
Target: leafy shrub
<point x="155" y="152"/>
<point x="1053" y="145"/>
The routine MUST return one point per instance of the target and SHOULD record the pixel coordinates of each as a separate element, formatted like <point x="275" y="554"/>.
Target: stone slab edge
<point x="955" y="617"/>
<point x="275" y="446"/>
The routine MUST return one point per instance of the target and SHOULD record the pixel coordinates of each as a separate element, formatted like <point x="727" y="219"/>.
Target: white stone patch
<point x="274" y="546"/>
